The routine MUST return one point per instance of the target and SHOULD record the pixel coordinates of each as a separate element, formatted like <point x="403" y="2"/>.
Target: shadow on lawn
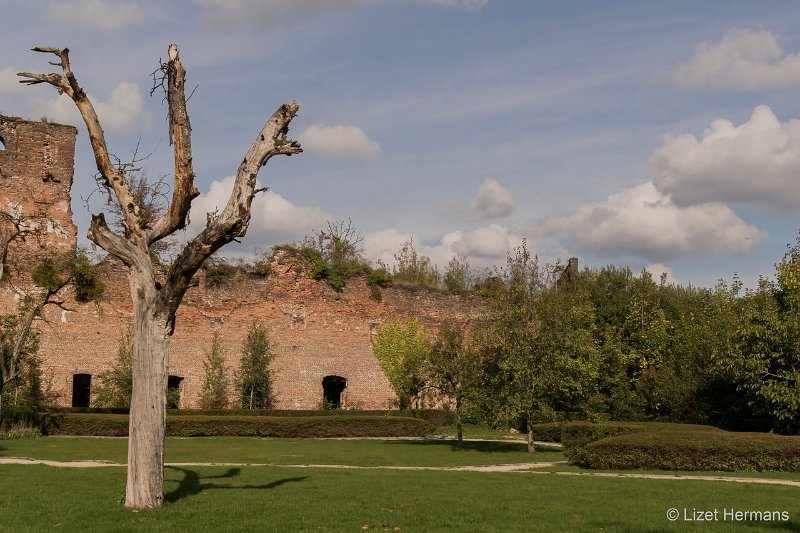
<point x="488" y="446"/>
<point x="190" y="485"/>
<point x="778" y="526"/>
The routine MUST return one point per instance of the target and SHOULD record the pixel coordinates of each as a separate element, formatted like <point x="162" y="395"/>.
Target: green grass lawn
<point x="293" y="498"/>
<point x="286" y="451"/>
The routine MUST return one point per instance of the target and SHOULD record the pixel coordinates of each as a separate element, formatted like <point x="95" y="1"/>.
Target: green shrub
<point x="548" y="431"/>
<point x="20" y="431"/>
<point x="192" y="425"/>
<point x="695" y="450"/>
<point x="575" y="436"/>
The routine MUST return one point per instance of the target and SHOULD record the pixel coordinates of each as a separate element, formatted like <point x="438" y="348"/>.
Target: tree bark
<point x="529" y="424"/>
<point x="147" y="420"/>
<point x="459" y="429"/>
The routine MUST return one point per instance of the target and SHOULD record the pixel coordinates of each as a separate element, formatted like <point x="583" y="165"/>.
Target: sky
<point x="661" y="135"/>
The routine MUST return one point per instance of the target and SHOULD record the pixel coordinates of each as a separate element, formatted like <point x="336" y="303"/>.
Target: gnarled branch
<point x="66" y="83"/>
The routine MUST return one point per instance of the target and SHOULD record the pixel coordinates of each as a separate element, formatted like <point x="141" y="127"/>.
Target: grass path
<point x="528" y="468"/>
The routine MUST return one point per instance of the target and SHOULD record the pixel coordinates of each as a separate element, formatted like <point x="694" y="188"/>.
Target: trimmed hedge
<point x="114" y="425"/>
<point x="435" y="416"/>
<point x="548" y="431"/>
<point x="695" y="450"/>
<point x="575" y="436"/>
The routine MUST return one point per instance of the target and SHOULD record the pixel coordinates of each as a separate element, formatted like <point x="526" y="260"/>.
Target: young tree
<point x="155" y="298"/>
<point x="214" y="394"/>
<point x="116" y="384"/>
<point x="536" y="348"/>
<point x="400" y="350"/>
<point x="414" y="268"/>
<point x="449" y="366"/>
<point x="457" y="276"/>
<point x="253" y="379"/>
<point x="50" y="278"/>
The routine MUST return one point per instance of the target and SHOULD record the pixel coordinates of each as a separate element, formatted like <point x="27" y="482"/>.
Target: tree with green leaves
<point x="214" y="392"/>
<point x="450" y="369"/>
<point x="253" y="378"/>
<point x="458" y="276"/>
<point x="536" y="348"/>
<point x="400" y="349"/>
<point x="50" y="278"/>
<point x="116" y="384"/>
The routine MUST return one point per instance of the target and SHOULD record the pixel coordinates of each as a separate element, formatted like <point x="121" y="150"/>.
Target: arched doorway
<point x="332" y="389"/>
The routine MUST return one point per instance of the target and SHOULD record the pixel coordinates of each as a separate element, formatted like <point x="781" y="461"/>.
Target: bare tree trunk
<point x="459" y="429"/>
<point x="147" y="425"/>
<point x="529" y="423"/>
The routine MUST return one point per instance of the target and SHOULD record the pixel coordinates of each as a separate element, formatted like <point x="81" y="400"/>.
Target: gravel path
<point x="522" y="468"/>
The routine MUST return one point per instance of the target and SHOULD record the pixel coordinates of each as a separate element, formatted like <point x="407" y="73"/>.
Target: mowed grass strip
<point x="40" y="498"/>
<point x="287" y="451"/>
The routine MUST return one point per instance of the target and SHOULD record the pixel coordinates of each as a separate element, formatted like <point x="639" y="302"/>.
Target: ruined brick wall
<point x="314" y="331"/>
<point x="36" y="166"/>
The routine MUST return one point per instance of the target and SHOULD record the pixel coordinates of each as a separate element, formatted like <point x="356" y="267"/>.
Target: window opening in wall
<point x="173" y="391"/>
<point x="332" y="389"/>
<point x="81" y="390"/>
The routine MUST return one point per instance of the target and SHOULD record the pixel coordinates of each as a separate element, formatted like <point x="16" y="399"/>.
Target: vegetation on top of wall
<point x="220" y="271"/>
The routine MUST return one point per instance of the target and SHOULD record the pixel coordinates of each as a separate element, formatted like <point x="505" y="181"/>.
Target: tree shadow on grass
<point x="191" y="484"/>
<point x="488" y="446"/>
<point x="792" y="525"/>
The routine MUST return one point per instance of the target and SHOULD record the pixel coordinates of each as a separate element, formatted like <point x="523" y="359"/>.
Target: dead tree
<point x="156" y="299"/>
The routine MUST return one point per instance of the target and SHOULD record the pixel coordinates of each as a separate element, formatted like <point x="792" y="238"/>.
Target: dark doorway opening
<point x="81" y="390"/>
<point x="173" y="391"/>
<point x="332" y="388"/>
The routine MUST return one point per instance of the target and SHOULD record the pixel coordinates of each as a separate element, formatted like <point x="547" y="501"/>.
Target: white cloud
<point x="10" y="87"/>
<point x="658" y="269"/>
<point x="338" y="141"/>
<point x="99" y="14"/>
<point x="274" y="219"/>
<point x="756" y="163"/>
<point x="483" y="247"/>
<point x="124" y="107"/>
<point x="383" y="244"/>
<point x="493" y="200"/>
<point x="642" y="222"/>
<point x="744" y="59"/>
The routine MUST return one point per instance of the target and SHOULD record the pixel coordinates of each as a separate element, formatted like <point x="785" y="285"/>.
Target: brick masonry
<point x="314" y="331"/>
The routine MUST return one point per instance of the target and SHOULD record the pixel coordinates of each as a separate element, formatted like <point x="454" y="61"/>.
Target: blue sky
<point x="660" y="134"/>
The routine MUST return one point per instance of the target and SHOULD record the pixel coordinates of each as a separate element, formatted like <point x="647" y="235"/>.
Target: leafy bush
<point x="679" y="449"/>
<point x="20" y="431"/>
<point x="576" y="436"/>
<point x="84" y="424"/>
<point x="548" y="431"/>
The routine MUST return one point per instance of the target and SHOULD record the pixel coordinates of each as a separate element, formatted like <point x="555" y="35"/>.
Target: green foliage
<point x="695" y="450"/>
<point x="253" y="379"/>
<point x="400" y="350"/>
<point x="20" y="371"/>
<point x="576" y="436"/>
<point x="74" y="267"/>
<point x="414" y="269"/>
<point x="536" y="350"/>
<point x="116" y="384"/>
<point x="220" y="271"/>
<point x="457" y="277"/>
<point x="334" y="255"/>
<point x="450" y="370"/>
<point x="214" y="392"/>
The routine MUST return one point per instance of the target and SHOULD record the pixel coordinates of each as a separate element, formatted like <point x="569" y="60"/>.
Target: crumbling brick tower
<point x="36" y="168"/>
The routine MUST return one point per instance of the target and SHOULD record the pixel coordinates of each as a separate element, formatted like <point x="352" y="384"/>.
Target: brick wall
<point x="314" y="332"/>
<point x="36" y="166"/>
